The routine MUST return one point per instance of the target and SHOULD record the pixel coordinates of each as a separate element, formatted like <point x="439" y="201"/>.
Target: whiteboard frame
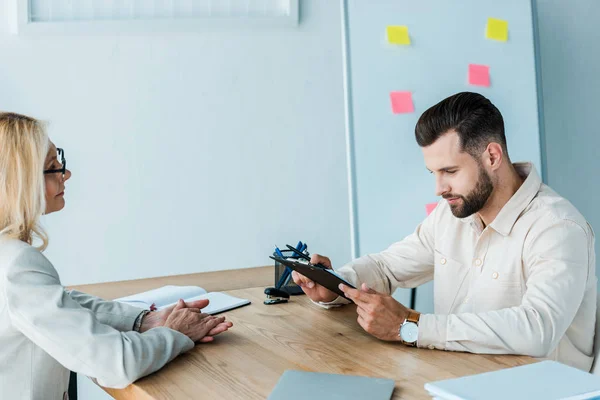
<point x="24" y="26"/>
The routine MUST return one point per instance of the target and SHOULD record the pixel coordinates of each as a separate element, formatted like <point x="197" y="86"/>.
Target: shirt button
<point x="431" y="347"/>
<point x="443" y="261"/>
<point x="495" y="275"/>
<point x="466" y="300"/>
<point x="478" y="262"/>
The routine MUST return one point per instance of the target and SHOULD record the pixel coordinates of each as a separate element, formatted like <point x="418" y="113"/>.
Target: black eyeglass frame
<point x="62" y="170"/>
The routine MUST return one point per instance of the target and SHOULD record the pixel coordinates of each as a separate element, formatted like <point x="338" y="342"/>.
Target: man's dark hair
<point x="476" y="120"/>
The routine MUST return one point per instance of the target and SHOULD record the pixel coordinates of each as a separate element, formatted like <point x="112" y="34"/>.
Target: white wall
<point x="189" y="152"/>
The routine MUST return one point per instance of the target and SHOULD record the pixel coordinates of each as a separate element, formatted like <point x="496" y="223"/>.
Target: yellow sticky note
<point x="398" y="34"/>
<point x="497" y="29"/>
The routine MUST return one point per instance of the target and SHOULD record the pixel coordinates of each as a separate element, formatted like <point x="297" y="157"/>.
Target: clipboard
<point x="321" y="275"/>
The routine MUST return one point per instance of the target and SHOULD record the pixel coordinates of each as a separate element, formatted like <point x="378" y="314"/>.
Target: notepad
<point x="167" y="296"/>
<point x="296" y="385"/>
<point x="547" y="380"/>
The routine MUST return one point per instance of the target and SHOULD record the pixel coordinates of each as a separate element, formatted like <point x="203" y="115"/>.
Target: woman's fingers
<point x="198" y="303"/>
<point x="222" y="327"/>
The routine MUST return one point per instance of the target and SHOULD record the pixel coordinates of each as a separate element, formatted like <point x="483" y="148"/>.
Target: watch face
<point x="409" y="332"/>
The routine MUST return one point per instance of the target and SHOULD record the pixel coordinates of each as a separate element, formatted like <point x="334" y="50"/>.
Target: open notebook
<point x="169" y="295"/>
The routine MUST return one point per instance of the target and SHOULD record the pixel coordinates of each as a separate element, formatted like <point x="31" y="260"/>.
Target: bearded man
<point x="512" y="261"/>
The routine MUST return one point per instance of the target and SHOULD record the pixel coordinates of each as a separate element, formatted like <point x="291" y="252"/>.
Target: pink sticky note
<point x="479" y="75"/>
<point x="430" y="207"/>
<point x="402" y="102"/>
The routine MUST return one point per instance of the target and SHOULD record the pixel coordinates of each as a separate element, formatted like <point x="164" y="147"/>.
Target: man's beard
<point x="475" y="200"/>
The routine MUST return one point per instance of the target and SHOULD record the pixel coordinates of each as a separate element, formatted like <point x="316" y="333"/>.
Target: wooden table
<point x="247" y="361"/>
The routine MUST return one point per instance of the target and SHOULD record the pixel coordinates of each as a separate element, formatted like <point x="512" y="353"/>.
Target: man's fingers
<point x="367" y="289"/>
<point x="355" y="295"/>
<point x="361" y="312"/>
<point x="302" y="281"/>
<point x="361" y="321"/>
<point x="296" y="278"/>
<point x="206" y="339"/>
<point x="319" y="259"/>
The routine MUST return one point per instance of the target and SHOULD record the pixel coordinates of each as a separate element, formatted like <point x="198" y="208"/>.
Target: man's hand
<point x="378" y="314"/>
<point x="159" y="318"/>
<point x="313" y="290"/>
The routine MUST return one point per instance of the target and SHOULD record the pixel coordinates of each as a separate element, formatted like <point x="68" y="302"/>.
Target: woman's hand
<point x="189" y="320"/>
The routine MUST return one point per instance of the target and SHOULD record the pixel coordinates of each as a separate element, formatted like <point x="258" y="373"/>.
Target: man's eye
<point x="450" y="172"/>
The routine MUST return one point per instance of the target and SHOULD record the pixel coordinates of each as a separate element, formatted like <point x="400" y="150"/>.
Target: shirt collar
<point x="508" y="215"/>
<point x="512" y="210"/>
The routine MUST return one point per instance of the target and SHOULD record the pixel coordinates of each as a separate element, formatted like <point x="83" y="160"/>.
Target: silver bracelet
<point x="138" y="321"/>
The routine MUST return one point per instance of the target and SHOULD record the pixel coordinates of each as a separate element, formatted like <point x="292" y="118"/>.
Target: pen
<point x="298" y="253"/>
<point x="278" y="252"/>
<point x="284" y="278"/>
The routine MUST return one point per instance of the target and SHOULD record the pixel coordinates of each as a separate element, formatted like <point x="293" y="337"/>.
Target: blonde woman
<point x="45" y="331"/>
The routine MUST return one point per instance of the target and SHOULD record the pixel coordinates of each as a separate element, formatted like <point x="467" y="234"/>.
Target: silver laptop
<point x="297" y="385"/>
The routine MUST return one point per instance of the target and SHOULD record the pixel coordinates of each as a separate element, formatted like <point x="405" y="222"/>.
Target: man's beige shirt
<point x="525" y="284"/>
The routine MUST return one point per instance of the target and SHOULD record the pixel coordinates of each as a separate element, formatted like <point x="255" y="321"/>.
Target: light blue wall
<point x="570" y="70"/>
<point x="190" y="151"/>
<point x="392" y="184"/>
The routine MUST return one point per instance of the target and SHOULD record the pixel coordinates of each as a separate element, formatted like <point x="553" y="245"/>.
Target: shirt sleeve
<point x="47" y="315"/>
<point x="405" y="264"/>
<point x="557" y="262"/>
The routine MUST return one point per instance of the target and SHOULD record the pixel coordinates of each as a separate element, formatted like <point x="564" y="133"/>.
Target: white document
<point x="169" y="295"/>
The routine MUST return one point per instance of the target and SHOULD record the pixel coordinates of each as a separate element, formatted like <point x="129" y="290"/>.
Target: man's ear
<point x="492" y="156"/>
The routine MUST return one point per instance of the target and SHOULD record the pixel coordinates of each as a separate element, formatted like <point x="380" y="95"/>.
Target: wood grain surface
<point x="247" y="361"/>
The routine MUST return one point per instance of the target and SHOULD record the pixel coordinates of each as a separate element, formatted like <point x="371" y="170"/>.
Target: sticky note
<point x="402" y="102"/>
<point x="398" y="34"/>
<point x="479" y="75"/>
<point x="430" y="207"/>
<point x="497" y="29"/>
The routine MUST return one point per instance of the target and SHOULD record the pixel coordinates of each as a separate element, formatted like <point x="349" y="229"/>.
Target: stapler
<point x="276" y="296"/>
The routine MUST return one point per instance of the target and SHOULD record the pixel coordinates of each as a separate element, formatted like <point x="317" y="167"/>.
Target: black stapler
<point x="276" y="296"/>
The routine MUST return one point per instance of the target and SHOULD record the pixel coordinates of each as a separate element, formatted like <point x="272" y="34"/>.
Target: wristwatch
<point x="409" y="330"/>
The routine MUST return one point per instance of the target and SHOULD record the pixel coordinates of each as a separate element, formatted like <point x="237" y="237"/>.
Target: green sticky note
<point x="398" y="34"/>
<point x="497" y="29"/>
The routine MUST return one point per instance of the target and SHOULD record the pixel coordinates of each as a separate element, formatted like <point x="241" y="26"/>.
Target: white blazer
<point x="45" y="331"/>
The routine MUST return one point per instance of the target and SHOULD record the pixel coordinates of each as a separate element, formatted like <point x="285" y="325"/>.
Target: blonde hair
<point x="23" y="148"/>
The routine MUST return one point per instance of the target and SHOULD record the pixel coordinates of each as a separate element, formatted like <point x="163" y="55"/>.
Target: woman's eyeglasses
<point x="61" y="155"/>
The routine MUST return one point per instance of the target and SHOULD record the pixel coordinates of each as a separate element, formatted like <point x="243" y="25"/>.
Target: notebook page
<point x="218" y="302"/>
<point x="162" y="296"/>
